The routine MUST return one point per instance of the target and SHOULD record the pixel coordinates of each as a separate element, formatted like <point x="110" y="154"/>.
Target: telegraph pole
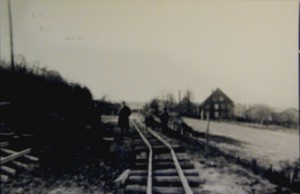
<point x="11" y="38"/>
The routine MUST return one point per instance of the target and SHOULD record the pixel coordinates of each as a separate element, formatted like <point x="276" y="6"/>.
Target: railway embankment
<point x="89" y="166"/>
<point x="216" y="173"/>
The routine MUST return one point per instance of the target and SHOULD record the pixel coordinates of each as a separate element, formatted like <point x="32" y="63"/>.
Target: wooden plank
<point x="159" y="190"/>
<point x="14" y="156"/>
<point x="21" y="165"/>
<point x="32" y="158"/>
<point x="180" y="156"/>
<point x="173" y="180"/>
<point x="158" y="149"/>
<point x="141" y="142"/>
<point x="29" y="157"/>
<point x="27" y="135"/>
<point x="161" y="160"/>
<point x="160" y="146"/>
<point x="4" y="178"/>
<point x="6" y="134"/>
<point x="165" y="165"/>
<point x="8" y="170"/>
<point x="4" y="144"/>
<point x="166" y="172"/>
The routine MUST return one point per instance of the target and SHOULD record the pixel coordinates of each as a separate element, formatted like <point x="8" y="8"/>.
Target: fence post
<point x="254" y="165"/>
<point x="293" y="175"/>
<point x="207" y="136"/>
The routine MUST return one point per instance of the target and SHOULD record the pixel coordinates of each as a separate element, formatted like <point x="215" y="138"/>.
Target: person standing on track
<point x="164" y="117"/>
<point x="123" y="122"/>
<point x="149" y="120"/>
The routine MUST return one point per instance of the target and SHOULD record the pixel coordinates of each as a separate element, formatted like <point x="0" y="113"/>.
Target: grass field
<point x="277" y="148"/>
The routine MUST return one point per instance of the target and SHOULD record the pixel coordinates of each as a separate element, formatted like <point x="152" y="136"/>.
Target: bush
<point x="41" y="102"/>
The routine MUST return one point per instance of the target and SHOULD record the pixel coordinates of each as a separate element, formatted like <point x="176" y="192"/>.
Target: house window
<point x="216" y="115"/>
<point x="221" y="98"/>
<point x="216" y="106"/>
<point x="214" y="99"/>
<point x="229" y="114"/>
<point x="223" y="115"/>
<point x="223" y="106"/>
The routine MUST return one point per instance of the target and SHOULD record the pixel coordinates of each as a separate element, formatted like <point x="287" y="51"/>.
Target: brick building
<point x="218" y="106"/>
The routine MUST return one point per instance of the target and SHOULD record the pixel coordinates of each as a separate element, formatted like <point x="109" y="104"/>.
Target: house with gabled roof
<point x="217" y="106"/>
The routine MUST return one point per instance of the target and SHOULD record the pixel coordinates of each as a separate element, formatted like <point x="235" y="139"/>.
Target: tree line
<point x="185" y="107"/>
<point x="257" y="113"/>
<point x="41" y="102"/>
<point x="263" y="114"/>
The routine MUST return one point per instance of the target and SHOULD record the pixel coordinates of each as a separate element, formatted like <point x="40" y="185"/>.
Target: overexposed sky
<point x="138" y="50"/>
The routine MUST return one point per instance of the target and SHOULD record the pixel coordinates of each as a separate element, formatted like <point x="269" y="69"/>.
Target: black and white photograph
<point x="149" y="96"/>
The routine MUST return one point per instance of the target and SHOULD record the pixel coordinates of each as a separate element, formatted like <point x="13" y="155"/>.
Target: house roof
<point x="218" y="91"/>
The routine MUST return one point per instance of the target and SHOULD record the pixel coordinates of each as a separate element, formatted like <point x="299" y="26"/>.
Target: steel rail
<point x="149" y="179"/>
<point x="182" y="177"/>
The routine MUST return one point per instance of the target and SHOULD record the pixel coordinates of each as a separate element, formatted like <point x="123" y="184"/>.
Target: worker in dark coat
<point x="164" y="118"/>
<point x="149" y="120"/>
<point x="123" y="122"/>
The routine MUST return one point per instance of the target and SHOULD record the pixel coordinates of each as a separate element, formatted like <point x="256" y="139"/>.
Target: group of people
<point x="164" y="118"/>
<point x="125" y="112"/>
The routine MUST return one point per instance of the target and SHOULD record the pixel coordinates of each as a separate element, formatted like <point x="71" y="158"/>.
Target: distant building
<point x="218" y="106"/>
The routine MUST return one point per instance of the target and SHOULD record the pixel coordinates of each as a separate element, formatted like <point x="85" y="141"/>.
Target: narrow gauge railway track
<point x="157" y="168"/>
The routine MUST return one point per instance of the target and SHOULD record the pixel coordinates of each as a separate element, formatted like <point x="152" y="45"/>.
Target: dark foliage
<point x="41" y="102"/>
<point x="154" y="105"/>
<point x="107" y="108"/>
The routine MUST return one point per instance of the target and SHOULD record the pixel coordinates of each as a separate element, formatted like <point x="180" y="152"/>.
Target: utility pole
<point x="11" y="38"/>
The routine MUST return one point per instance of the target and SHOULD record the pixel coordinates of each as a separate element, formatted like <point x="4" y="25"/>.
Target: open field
<point x="275" y="148"/>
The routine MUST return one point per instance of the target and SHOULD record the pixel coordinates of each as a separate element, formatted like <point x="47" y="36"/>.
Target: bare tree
<point x="189" y="95"/>
<point x="239" y="111"/>
<point x="289" y="117"/>
<point x="259" y="113"/>
<point x="186" y="107"/>
<point x="170" y="101"/>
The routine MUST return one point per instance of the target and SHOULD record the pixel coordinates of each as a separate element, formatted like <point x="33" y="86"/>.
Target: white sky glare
<point x="137" y="50"/>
